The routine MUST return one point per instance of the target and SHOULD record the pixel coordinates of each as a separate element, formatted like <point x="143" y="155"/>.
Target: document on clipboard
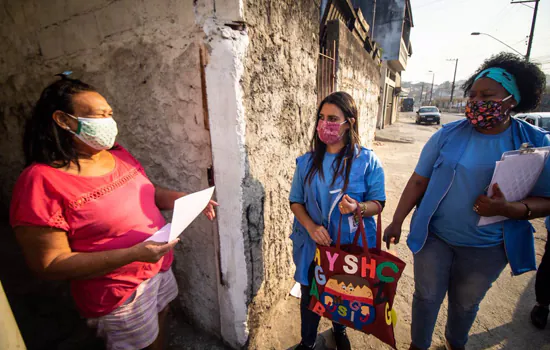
<point x="186" y="209"/>
<point x="516" y="174"/>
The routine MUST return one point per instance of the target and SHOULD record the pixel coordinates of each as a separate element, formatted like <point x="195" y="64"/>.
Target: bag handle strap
<point x="378" y="226"/>
<point x="339" y="232"/>
<point x="361" y="230"/>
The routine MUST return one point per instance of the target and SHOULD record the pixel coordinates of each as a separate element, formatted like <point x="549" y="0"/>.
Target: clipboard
<point x="516" y="174"/>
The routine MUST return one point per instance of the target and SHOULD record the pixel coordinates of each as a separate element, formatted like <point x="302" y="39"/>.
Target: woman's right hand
<point x="320" y="235"/>
<point x="152" y="252"/>
<point x="392" y="234"/>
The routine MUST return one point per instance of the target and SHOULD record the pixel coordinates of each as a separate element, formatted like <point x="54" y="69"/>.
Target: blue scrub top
<point x="455" y="221"/>
<point x="374" y="182"/>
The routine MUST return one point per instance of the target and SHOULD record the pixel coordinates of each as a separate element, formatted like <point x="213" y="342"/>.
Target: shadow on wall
<point x="253" y="230"/>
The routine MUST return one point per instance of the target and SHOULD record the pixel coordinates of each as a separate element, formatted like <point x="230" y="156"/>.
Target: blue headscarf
<point x="507" y="80"/>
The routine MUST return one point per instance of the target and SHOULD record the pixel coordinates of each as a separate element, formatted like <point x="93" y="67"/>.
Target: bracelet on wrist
<point x="364" y="206"/>
<point x="528" y="212"/>
<point x="361" y="207"/>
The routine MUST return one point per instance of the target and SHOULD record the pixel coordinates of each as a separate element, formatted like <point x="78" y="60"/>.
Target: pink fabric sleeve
<point x="36" y="202"/>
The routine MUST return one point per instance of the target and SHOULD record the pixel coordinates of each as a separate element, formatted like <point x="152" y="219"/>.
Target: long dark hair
<point x="342" y="163"/>
<point x="44" y="141"/>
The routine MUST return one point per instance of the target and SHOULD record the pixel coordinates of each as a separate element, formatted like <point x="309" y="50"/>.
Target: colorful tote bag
<point x="355" y="286"/>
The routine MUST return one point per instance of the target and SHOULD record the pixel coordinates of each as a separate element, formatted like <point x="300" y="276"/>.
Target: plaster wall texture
<point x="143" y="56"/>
<point x="280" y="89"/>
<point x="358" y="75"/>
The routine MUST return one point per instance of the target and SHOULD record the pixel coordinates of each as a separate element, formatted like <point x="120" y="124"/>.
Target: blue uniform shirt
<point x="366" y="183"/>
<point x="374" y="182"/>
<point x="455" y="221"/>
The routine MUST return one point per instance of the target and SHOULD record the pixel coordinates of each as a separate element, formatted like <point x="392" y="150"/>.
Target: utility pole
<point x="432" y="90"/>
<point x="421" y="93"/>
<point x="454" y="79"/>
<point x="373" y="18"/>
<point x="532" y="34"/>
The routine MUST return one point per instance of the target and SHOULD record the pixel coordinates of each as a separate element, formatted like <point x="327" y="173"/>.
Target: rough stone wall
<point x="358" y="75"/>
<point x="280" y="86"/>
<point x="143" y="56"/>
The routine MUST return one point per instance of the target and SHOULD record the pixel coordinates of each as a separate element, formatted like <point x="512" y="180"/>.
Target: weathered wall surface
<point x="144" y="57"/>
<point x="280" y="106"/>
<point x="227" y="50"/>
<point x="388" y="26"/>
<point x="358" y="75"/>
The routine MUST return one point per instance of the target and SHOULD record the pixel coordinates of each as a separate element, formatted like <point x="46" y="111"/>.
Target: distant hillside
<point x="440" y="91"/>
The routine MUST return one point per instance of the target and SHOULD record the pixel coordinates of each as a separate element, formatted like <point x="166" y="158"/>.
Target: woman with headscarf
<point x="452" y="254"/>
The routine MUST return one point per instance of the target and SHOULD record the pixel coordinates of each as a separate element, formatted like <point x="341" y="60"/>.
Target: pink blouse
<point x="113" y="211"/>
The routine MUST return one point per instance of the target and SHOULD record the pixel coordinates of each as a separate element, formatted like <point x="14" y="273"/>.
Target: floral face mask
<point x="329" y="132"/>
<point x="486" y="114"/>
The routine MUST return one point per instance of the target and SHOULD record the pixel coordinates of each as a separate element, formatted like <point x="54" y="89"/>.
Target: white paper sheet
<point x="516" y="176"/>
<point x="296" y="290"/>
<point x="162" y="235"/>
<point x="186" y="209"/>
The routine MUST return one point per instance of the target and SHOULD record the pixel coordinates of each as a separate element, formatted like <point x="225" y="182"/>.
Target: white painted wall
<point x="227" y="127"/>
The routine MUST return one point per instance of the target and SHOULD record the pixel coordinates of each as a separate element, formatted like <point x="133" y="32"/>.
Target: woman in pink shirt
<point x="81" y="211"/>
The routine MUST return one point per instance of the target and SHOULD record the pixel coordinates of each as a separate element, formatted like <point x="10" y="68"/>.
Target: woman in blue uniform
<point x="452" y="254"/>
<point x="330" y="181"/>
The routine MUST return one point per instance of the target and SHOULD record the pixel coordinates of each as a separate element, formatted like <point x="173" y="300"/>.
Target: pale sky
<point x="442" y="30"/>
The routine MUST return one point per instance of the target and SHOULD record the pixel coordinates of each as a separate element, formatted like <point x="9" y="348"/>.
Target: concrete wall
<point x="144" y="57"/>
<point x="280" y="86"/>
<point x="359" y="75"/>
<point x="388" y="26"/>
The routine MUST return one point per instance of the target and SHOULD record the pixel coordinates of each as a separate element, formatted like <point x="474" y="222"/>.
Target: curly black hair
<point x="530" y="79"/>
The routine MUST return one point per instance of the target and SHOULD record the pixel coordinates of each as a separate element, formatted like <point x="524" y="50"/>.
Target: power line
<point x="519" y="41"/>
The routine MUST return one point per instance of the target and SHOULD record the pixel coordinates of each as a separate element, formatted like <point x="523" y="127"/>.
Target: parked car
<point x="540" y="119"/>
<point x="428" y="114"/>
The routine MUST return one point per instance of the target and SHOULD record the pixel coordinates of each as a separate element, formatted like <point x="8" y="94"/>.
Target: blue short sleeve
<point x="429" y="155"/>
<point x="374" y="179"/>
<point x="297" y="188"/>
<point x="542" y="187"/>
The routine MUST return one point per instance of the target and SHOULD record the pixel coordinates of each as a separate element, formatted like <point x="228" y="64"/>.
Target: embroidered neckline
<point x="58" y="220"/>
<point x="103" y="190"/>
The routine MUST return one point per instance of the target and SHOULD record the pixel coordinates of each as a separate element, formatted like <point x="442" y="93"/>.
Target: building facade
<point x="391" y="24"/>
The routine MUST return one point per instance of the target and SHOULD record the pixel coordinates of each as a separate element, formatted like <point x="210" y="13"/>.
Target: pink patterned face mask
<point x="329" y="132"/>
